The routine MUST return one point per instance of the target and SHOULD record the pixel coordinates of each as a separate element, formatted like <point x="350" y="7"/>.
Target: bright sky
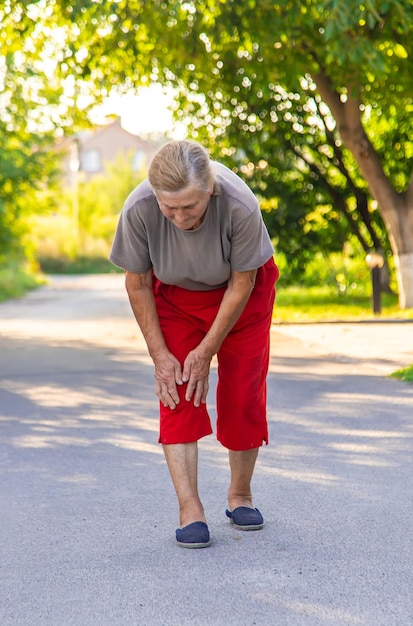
<point x="144" y="114"/>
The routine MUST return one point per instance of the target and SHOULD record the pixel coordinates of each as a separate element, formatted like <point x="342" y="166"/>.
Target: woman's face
<point x="185" y="208"/>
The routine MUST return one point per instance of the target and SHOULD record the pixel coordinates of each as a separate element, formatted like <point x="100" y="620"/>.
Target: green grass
<point x="405" y="374"/>
<point x="325" y="304"/>
<point x="17" y="279"/>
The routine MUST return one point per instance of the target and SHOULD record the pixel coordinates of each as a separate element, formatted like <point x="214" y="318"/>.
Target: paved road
<point x="87" y="513"/>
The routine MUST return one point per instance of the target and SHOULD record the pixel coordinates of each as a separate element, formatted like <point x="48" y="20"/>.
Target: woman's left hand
<point x="196" y="373"/>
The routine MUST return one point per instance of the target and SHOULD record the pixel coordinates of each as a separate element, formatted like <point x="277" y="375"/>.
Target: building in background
<point x="88" y="153"/>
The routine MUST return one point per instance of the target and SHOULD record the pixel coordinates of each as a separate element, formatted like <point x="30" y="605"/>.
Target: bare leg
<point x="182" y="460"/>
<point x="242" y="465"/>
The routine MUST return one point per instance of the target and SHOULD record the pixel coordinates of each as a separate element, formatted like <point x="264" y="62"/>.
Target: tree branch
<point x="359" y="194"/>
<point x="337" y="197"/>
<point x="348" y="120"/>
<point x="409" y="193"/>
<point x="330" y="97"/>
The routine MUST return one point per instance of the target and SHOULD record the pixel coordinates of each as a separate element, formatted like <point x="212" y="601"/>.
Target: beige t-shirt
<point x="232" y="236"/>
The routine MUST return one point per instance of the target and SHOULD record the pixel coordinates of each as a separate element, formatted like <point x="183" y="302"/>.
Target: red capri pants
<point x="241" y="397"/>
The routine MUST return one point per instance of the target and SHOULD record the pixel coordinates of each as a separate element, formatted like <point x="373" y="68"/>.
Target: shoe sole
<point x="248" y="527"/>
<point x="194" y="545"/>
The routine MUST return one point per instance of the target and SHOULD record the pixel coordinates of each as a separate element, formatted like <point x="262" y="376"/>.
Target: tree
<point x="27" y="162"/>
<point x="227" y="57"/>
<point x="312" y="194"/>
<point x="24" y="165"/>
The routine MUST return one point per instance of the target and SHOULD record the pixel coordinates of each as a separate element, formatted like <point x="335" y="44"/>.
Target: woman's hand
<point x="196" y="373"/>
<point x="168" y="371"/>
<point x="168" y="374"/>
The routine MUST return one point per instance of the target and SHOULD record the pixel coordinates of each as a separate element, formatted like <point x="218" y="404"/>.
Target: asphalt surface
<point x="88" y="512"/>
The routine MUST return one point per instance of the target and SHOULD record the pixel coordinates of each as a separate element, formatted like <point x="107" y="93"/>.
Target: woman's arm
<point x="167" y="368"/>
<point x="197" y="363"/>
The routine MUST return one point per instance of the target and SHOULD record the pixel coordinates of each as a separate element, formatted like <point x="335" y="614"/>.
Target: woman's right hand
<point x="168" y="375"/>
<point x="168" y="372"/>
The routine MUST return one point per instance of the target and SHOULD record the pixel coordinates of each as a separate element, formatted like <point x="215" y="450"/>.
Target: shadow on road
<point x="88" y="530"/>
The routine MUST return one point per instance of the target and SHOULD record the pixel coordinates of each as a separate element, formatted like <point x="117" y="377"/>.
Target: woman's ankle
<point x="235" y="500"/>
<point x="190" y="512"/>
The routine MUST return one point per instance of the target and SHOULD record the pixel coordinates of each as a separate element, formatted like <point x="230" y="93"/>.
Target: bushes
<point x="76" y="235"/>
<point x="16" y="278"/>
<point x="346" y="271"/>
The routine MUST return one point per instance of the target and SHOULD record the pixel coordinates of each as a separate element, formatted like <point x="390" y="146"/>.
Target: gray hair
<point x="181" y="164"/>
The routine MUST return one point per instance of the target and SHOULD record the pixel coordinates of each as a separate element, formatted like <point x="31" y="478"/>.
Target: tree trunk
<point x="395" y="208"/>
<point x="404" y="269"/>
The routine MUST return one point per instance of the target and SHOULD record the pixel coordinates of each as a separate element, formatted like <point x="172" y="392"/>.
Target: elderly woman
<point x="201" y="280"/>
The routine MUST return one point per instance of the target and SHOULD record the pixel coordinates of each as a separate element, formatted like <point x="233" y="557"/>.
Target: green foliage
<point x="17" y="278"/>
<point x="79" y="265"/>
<point x="35" y="106"/>
<point x="247" y="75"/>
<point x="240" y="45"/>
<point x="344" y="271"/>
<point x="25" y="164"/>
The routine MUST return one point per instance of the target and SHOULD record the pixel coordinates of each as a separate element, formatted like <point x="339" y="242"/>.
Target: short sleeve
<point x="130" y="249"/>
<point x="251" y="246"/>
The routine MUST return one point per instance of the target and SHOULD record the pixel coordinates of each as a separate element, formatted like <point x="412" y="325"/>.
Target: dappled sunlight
<point x="79" y="407"/>
<point x="327" y="428"/>
<point x="336" y="430"/>
<point x="132" y="443"/>
<point x="305" y="476"/>
<point x="59" y="396"/>
<point x="355" y="447"/>
<point x="365" y="454"/>
<point x="380" y="347"/>
<point x="133" y="356"/>
<point x="334" y="615"/>
<point x="368" y="462"/>
<point x="37" y="441"/>
<point x="303" y="609"/>
<point x="106" y="333"/>
<point x="59" y="432"/>
<point x="47" y="432"/>
<point x="343" y="398"/>
<point x="79" y="479"/>
<point x="318" y="440"/>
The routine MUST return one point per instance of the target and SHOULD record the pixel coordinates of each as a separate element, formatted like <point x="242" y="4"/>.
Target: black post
<point x="376" y="283"/>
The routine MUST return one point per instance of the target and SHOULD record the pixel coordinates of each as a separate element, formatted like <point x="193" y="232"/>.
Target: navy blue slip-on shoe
<point x="195" y="535"/>
<point x="245" y="518"/>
